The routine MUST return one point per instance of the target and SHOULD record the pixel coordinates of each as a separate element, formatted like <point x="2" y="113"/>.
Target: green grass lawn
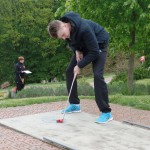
<point x="143" y="81"/>
<point x="139" y="102"/>
<point x="38" y="100"/>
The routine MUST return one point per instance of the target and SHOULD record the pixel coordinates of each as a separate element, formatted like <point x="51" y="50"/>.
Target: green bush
<point x="141" y="73"/>
<point x="41" y="91"/>
<point x="140" y="102"/>
<point x="120" y="77"/>
<point x="122" y="88"/>
<point x="84" y="89"/>
<point x="37" y="91"/>
<point x="1" y="94"/>
<point x="148" y="89"/>
<point x="116" y="87"/>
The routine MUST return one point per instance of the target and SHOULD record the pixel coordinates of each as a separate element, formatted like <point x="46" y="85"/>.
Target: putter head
<point x="60" y="121"/>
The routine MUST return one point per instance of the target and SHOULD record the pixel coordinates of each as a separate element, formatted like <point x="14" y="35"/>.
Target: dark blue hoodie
<point x="86" y="37"/>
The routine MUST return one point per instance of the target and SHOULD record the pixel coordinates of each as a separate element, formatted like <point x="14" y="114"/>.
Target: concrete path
<point x="80" y="132"/>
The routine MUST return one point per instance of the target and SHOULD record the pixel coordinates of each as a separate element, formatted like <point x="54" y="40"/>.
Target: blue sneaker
<point x="72" y="108"/>
<point x="104" y="117"/>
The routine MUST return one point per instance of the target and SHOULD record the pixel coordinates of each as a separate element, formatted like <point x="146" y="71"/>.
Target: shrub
<point x="141" y="73"/>
<point x="122" y="88"/>
<point x="1" y="94"/>
<point x="37" y="91"/>
<point x="121" y="77"/>
<point x="85" y="89"/>
<point x="5" y="85"/>
<point x="148" y="89"/>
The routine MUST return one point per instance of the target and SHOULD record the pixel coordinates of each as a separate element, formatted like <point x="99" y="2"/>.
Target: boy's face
<point x="22" y="60"/>
<point x="64" y="31"/>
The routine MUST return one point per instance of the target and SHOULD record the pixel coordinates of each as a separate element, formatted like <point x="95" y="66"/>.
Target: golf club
<point x="62" y="120"/>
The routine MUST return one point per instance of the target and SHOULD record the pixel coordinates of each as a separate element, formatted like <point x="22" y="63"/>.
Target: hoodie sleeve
<point x="17" y="70"/>
<point x="91" y="43"/>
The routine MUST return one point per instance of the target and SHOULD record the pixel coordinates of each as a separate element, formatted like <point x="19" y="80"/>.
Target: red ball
<point x="60" y="121"/>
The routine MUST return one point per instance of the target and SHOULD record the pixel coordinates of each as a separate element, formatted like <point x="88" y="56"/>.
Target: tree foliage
<point x="23" y="31"/>
<point x="119" y="18"/>
<point x="126" y="21"/>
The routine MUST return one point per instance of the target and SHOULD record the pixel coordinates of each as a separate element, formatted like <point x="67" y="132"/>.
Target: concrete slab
<point x="80" y="132"/>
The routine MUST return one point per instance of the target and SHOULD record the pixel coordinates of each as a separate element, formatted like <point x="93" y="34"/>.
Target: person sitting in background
<point x="20" y="74"/>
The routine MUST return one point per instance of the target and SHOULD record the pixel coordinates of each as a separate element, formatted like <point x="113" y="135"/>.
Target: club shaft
<point x="69" y="95"/>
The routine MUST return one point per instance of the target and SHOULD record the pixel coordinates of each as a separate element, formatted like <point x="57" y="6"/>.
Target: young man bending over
<point x="89" y="41"/>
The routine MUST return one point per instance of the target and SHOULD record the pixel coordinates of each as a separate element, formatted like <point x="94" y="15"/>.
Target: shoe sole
<point x="104" y="122"/>
<point x="72" y="112"/>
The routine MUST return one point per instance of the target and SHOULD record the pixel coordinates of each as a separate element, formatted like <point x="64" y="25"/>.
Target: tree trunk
<point x="131" y="72"/>
<point x="131" y="54"/>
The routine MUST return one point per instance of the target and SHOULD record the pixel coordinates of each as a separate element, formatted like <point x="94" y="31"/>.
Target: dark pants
<point x="20" y="86"/>
<point x="100" y="87"/>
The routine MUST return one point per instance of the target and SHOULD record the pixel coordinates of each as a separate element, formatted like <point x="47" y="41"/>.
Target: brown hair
<point x="20" y="58"/>
<point x="53" y="28"/>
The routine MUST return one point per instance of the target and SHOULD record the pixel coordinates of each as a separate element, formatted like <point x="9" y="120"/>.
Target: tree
<point x="23" y="32"/>
<point x="126" y="21"/>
